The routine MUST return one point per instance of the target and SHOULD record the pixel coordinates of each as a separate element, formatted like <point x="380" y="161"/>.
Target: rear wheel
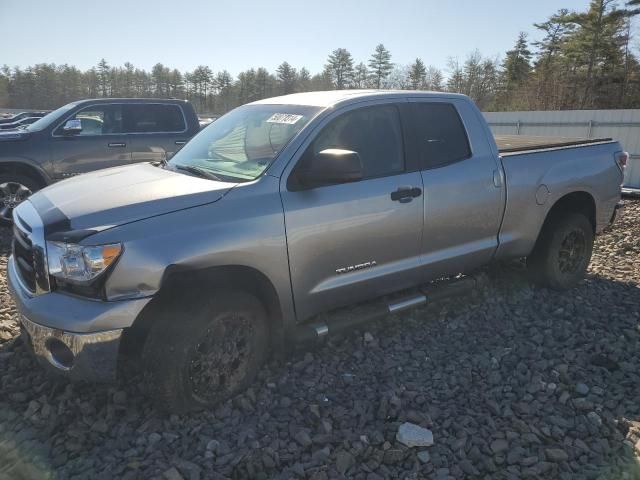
<point x="14" y="189"/>
<point x="202" y="354"/>
<point x="563" y="251"/>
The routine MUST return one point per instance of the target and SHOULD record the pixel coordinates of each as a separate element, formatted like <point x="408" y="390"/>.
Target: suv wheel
<point x="205" y="352"/>
<point x="14" y="189"/>
<point x="563" y="252"/>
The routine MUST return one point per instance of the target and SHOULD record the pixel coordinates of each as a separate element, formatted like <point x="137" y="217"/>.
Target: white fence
<point x="622" y="125"/>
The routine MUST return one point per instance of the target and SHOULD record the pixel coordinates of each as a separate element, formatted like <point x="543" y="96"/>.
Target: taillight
<point x="621" y="159"/>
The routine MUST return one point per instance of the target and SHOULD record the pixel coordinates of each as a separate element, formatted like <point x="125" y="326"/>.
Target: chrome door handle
<point x="497" y="179"/>
<point x="405" y="194"/>
<point x="180" y="142"/>
<point x="117" y="145"/>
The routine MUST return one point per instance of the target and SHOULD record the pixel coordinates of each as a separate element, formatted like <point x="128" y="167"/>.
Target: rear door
<point x="463" y="193"/>
<point x="354" y="241"/>
<point x="154" y="129"/>
<point x="100" y="144"/>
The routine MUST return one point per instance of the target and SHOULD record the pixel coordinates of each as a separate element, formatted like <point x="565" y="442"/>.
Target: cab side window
<point x="440" y="134"/>
<point x="98" y="120"/>
<point x="373" y="132"/>
<point x="153" y="118"/>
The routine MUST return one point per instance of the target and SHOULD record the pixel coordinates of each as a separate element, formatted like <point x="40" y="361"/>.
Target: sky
<point x="237" y="35"/>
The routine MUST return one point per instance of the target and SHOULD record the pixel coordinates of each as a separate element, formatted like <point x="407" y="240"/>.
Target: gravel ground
<point x="514" y="382"/>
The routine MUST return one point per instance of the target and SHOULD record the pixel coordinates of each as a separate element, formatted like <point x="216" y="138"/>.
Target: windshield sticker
<point x="286" y="118"/>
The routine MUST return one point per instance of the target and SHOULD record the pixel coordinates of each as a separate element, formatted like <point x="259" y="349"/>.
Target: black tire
<point x="11" y="180"/>
<point x="205" y="351"/>
<point x="563" y="251"/>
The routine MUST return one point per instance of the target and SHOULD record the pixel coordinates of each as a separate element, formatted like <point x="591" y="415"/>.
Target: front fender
<point x="245" y="228"/>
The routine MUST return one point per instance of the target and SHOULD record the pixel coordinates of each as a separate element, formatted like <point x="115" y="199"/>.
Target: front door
<point x="354" y="241"/>
<point x="100" y="144"/>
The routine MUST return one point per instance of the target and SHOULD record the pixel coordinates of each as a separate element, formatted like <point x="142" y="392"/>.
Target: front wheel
<point x="205" y="351"/>
<point x="14" y="189"/>
<point x="563" y="252"/>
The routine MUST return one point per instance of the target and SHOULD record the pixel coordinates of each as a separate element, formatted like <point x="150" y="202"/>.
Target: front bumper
<point x="93" y="356"/>
<point x="90" y="330"/>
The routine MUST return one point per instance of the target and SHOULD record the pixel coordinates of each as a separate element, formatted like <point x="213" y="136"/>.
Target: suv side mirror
<point x="333" y="165"/>
<point x="72" y="127"/>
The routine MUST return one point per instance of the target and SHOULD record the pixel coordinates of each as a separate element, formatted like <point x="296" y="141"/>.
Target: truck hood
<point x="76" y="207"/>
<point x="13" y="135"/>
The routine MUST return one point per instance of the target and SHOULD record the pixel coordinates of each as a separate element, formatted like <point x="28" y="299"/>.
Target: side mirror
<point x="333" y="165"/>
<point x="72" y="127"/>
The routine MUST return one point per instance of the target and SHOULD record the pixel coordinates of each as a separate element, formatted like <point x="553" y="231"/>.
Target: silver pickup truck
<point x="349" y="202"/>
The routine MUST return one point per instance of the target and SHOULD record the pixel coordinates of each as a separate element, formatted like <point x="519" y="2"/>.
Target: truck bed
<point x="515" y="144"/>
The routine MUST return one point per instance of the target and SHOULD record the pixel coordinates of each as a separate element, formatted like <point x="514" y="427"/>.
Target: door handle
<point x="117" y="145"/>
<point x="405" y="194"/>
<point x="497" y="179"/>
<point x="180" y="142"/>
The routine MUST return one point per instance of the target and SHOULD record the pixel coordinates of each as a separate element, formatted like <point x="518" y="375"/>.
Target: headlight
<point x="78" y="263"/>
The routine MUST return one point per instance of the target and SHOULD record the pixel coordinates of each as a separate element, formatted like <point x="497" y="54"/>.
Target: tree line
<point x="584" y="59"/>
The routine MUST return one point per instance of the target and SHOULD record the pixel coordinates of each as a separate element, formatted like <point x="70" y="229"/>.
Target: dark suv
<point x="89" y="135"/>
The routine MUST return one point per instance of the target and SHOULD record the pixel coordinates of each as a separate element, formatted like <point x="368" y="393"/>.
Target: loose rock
<point x="413" y="435"/>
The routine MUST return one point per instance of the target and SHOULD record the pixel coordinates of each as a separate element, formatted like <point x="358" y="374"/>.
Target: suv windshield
<point x="242" y="144"/>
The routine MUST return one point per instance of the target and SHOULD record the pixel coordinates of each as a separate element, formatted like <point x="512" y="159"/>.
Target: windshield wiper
<point x="198" y="172"/>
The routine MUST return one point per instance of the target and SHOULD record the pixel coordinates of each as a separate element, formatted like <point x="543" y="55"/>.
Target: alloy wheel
<point x="222" y="358"/>
<point x="572" y="252"/>
<point x="11" y="195"/>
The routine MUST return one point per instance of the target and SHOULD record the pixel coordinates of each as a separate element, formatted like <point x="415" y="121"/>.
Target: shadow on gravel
<point x="514" y="382"/>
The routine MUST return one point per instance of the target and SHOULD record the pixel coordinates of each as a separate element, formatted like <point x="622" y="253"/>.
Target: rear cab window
<point x="440" y="135"/>
<point x="153" y="118"/>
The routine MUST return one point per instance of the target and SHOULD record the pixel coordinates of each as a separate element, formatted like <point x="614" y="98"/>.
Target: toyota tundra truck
<point x="291" y="218"/>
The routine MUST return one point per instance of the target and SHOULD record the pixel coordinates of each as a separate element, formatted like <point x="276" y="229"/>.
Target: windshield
<point x="244" y="142"/>
<point x="49" y="118"/>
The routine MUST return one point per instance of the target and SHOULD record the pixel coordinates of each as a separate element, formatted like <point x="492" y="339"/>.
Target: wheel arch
<point x="179" y="282"/>
<point x="574" y="202"/>
<point x="23" y="167"/>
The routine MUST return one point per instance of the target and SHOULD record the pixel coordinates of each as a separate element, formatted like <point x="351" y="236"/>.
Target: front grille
<point x="23" y="253"/>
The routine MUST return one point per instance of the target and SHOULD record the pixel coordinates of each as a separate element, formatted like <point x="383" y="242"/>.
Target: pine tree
<point x="516" y="70"/>
<point x="264" y="83"/>
<point x="176" y="84"/>
<point x="159" y="73"/>
<point x="517" y="64"/>
<point x="455" y="82"/>
<point x="595" y="44"/>
<point x="127" y="80"/>
<point x="551" y="65"/>
<point x="339" y="68"/>
<point x="380" y="65"/>
<point x="224" y="85"/>
<point x="103" y="77"/>
<point x="287" y="77"/>
<point x="304" y="80"/>
<point x="361" y="76"/>
<point x="417" y="74"/>
<point x="434" y="79"/>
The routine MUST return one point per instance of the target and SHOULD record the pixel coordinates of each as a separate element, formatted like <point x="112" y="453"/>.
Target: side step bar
<point x="355" y="316"/>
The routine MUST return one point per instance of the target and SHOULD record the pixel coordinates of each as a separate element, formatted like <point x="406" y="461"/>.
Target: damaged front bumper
<point x="76" y="337"/>
<point x="80" y="356"/>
